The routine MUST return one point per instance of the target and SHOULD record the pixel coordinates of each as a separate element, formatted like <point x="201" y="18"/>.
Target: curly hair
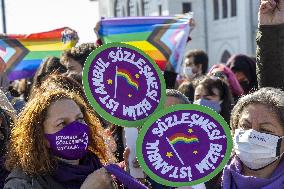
<point x="271" y="97"/>
<point x="175" y="93"/>
<point x="79" y="53"/>
<point x="28" y="148"/>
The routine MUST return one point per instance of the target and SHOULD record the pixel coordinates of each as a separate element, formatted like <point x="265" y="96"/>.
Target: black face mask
<point x="246" y="86"/>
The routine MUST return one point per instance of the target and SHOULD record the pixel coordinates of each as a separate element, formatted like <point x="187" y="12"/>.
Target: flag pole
<point x="175" y="151"/>
<point x="115" y="80"/>
<point x="3" y="16"/>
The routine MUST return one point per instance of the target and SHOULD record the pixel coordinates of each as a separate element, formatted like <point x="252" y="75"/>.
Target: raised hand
<point x="271" y="12"/>
<point x="99" y="179"/>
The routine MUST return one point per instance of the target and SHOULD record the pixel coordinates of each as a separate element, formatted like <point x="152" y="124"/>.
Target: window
<point x="117" y="10"/>
<point x="123" y="12"/>
<point x="233" y="8"/>
<point x="216" y="9"/>
<point x="137" y="9"/>
<point x="145" y="7"/>
<point x="186" y="8"/>
<point x="160" y="10"/>
<point x="225" y="57"/>
<point x="225" y="8"/>
<point x="130" y="8"/>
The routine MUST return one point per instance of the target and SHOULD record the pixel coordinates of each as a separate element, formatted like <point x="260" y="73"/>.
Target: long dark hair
<point x="210" y="83"/>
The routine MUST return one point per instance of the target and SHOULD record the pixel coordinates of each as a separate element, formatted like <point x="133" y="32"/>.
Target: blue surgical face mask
<point x="210" y="104"/>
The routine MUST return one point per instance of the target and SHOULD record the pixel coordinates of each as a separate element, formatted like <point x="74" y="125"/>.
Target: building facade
<point x="224" y="27"/>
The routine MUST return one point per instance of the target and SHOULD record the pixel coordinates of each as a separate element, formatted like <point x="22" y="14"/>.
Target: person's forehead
<point x="201" y="90"/>
<point x="172" y="100"/>
<point x="189" y="60"/>
<point x="63" y="108"/>
<point x="259" y="112"/>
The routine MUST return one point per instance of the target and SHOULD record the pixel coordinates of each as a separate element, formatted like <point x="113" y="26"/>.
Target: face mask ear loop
<point x="278" y="149"/>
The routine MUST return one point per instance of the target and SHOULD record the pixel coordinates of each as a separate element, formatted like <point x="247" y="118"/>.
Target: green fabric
<point x="270" y="56"/>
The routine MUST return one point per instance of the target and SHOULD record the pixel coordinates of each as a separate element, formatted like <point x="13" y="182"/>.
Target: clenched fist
<point x="99" y="179"/>
<point x="271" y="12"/>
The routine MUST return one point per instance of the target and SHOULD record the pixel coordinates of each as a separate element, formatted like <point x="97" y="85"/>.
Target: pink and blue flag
<point x="162" y="38"/>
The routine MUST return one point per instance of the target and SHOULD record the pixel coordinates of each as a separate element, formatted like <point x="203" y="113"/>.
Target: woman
<point x="49" y="65"/>
<point x="57" y="143"/>
<point x="187" y="88"/>
<point x="214" y="93"/>
<point x="258" y="125"/>
<point x="224" y="73"/>
<point x="244" y="68"/>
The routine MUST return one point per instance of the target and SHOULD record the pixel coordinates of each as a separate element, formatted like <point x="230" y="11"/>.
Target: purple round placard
<point x="123" y="84"/>
<point x="187" y="146"/>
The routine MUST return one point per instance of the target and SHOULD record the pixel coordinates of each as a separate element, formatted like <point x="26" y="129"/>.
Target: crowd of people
<point x="247" y="92"/>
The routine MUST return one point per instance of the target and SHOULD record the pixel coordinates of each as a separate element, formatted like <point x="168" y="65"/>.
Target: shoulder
<point x="17" y="179"/>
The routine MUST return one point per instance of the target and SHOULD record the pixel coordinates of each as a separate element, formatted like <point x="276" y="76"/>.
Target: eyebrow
<point x="266" y="123"/>
<point x="58" y="120"/>
<point x="63" y="118"/>
<point x="245" y="120"/>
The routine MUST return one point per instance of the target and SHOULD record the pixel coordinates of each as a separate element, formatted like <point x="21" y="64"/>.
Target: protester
<point x="74" y="58"/>
<point x="244" y="68"/>
<point x="214" y="93"/>
<point x="269" y="54"/>
<point x="48" y="66"/>
<point x="15" y="94"/>
<point x="55" y="81"/>
<point x="195" y="65"/>
<point x="225" y="74"/>
<point x="33" y="156"/>
<point x="7" y="115"/>
<point x="257" y="122"/>
<point x="175" y="97"/>
<point x="187" y="88"/>
<point x="4" y="83"/>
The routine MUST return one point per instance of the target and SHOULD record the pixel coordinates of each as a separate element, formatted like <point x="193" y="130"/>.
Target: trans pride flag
<point x="23" y="54"/>
<point x="162" y="38"/>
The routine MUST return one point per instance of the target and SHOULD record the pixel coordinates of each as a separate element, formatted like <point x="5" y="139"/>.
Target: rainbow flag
<point x="122" y="73"/>
<point x="24" y="53"/>
<point x="162" y="38"/>
<point x="182" y="138"/>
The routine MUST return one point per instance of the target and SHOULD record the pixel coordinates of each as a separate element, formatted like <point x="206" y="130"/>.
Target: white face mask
<point x="256" y="150"/>
<point x="187" y="71"/>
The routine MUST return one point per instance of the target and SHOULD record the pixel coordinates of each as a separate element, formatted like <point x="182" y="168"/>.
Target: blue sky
<point x="29" y="16"/>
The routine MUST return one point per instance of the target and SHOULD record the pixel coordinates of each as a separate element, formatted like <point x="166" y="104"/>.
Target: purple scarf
<point x="233" y="179"/>
<point x="73" y="176"/>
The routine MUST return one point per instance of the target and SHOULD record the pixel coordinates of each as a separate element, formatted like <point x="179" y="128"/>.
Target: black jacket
<point x="270" y="56"/>
<point x="17" y="179"/>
